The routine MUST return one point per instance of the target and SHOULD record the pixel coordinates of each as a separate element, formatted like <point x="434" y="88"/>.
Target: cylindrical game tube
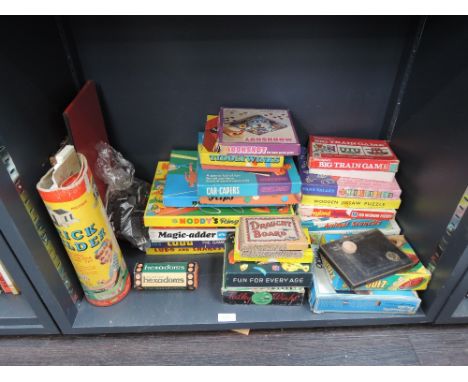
<point x="70" y="195"/>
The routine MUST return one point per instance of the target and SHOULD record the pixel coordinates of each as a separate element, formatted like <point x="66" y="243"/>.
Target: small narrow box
<point x="174" y="275"/>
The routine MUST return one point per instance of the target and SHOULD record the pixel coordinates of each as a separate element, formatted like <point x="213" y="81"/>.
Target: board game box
<point x="185" y="250"/>
<point x="365" y="257"/>
<point x="264" y="274"/>
<point x="242" y="183"/>
<point x="331" y="224"/>
<point x="184" y="234"/>
<point x="158" y="215"/>
<point x="214" y="160"/>
<point x="257" y="201"/>
<point x="390" y="227"/>
<point x="325" y="185"/>
<point x="351" y="154"/>
<point x="355" y="203"/>
<point x="181" y="182"/>
<point x="175" y="275"/>
<point x="257" y="131"/>
<point x="324" y="298"/>
<point x="415" y="278"/>
<point x="197" y="244"/>
<point x="310" y="213"/>
<point x="294" y="256"/>
<point x="271" y="233"/>
<point x="210" y="136"/>
<point x="288" y="296"/>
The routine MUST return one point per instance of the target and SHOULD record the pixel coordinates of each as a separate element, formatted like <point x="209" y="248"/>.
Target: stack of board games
<point x="367" y="272"/>
<point x="190" y="228"/>
<point x="268" y="261"/>
<point x="348" y="186"/>
<point x="245" y="159"/>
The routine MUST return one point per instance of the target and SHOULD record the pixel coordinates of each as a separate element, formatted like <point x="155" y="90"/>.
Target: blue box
<point x="324" y="298"/>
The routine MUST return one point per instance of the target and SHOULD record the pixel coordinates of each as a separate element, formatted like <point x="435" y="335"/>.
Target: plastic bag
<point x="126" y="196"/>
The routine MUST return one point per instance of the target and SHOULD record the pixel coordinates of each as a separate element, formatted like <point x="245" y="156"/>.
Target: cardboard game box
<point x="257" y="131"/>
<point x="310" y="213"/>
<point x="415" y="278"/>
<point x="343" y="187"/>
<point x="222" y="183"/>
<point x="159" y="215"/>
<point x="264" y="274"/>
<point x="244" y="162"/>
<point x="389" y="227"/>
<point x="181" y="182"/>
<point x="299" y="256"/>
<point x="324" y="298"/>
<point x="333" y="153"/>
<point x="356" y="203"/>
<point x="271" y="233"/>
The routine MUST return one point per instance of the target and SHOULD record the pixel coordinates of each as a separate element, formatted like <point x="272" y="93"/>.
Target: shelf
<point x="462" y="310"/>
<point x="145" y="311"/>
<point x="17" y="317"/>
<point x="15" y="307"/>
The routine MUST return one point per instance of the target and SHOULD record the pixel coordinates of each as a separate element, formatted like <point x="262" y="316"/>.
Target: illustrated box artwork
<point x="257" y="131"/>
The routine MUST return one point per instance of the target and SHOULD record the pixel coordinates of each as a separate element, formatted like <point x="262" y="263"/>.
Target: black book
<point x="365" y="257"/>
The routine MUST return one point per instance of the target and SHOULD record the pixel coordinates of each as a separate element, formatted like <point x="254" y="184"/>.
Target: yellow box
<point x="332" y="201"/>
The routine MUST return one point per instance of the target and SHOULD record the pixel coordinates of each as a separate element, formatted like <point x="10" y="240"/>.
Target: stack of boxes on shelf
<point x="7" y="285"/>
<point x="349" y="188"/>
<point x="267" y="261"/>
<point x="349" y="185"/>
<point x="197" y="198"/>
<point x="235" y="195"/>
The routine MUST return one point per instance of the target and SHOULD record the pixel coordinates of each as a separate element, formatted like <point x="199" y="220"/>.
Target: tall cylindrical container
<point x="70" y="195"/>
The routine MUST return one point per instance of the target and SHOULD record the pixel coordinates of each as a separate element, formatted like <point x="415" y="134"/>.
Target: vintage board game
<point x="390" y="227"/>
<point x="263" y="274"/>
<point x="288" y="296"/>
<point x="365" y="257"/>
<point x="327" y="224"/>
<point x="242" y="183"/>
<point x="175" y="275"/>
<point x="335" y="153"/>
<point x="181" y="181"/>
<point x="415" y="278"/>
<point x="184" y="234"/>
<point x="197" y="244"/>
<point x="356" y="203"/>
<point x="262" y="200"/>
<point x="185" y="250"/>
<point x="238" y="161"/>
<point x="324" y="298"/>
<point x="257" y="131"/>
<point x="309" y="212"/>
<point x="343" y="187"/>
<point x="271" y="233"/>
<point x="210" y="136"/>
<point x="299" y="256"/>
<point x="158" y="215"/>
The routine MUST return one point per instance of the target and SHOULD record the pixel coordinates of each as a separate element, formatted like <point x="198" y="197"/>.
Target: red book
<point x="351" y="154"/>
<point x="85" y="122"/>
